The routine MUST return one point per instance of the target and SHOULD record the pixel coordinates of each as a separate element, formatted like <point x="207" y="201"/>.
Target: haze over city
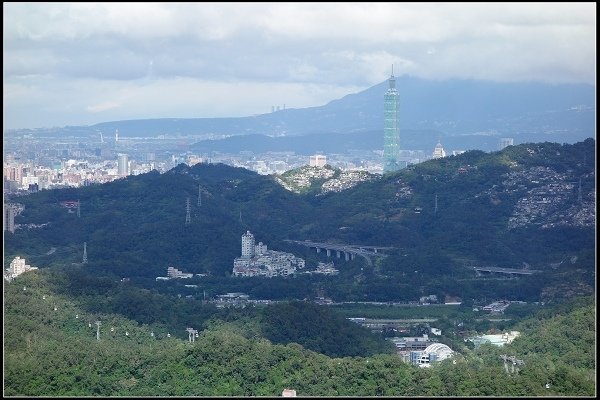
<point x="80" y="64"/>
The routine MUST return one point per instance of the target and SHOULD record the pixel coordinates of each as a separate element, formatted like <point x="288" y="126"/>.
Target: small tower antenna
<point x="85" y="258"/>
<point x="98" y="323"/>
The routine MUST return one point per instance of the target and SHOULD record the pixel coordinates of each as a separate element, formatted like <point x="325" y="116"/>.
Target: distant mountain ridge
<point x="468" y="109"/>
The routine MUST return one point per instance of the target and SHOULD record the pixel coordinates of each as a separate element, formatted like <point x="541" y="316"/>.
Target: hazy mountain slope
<point x="465" y="109"/>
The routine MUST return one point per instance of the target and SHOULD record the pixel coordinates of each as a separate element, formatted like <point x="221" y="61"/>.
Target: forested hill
<point x="531" y="205"/>
<point x="51" y="349"/>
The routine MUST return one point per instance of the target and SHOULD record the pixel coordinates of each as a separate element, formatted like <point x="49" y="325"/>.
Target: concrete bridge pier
<point x="328" y="253"/>
<point x="347" y="256"/>
<point x="318" y="249"/>
<point x="352" y="256"/>
<point x="338" y="254"/>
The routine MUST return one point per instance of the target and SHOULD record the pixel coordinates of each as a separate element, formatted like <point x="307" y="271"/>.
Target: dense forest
<point x="135" y="227"/>
<point x="51" y="349"/>
<point x="529" y="207"/>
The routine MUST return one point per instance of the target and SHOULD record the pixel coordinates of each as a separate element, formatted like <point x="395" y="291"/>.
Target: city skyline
<point x="80" y="64"/>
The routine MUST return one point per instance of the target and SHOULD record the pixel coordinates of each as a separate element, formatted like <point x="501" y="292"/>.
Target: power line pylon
<point x="191" y="334"/>
<point x="188" y="218"/>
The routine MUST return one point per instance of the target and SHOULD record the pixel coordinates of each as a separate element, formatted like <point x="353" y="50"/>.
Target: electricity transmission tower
<point x="188" y="218"/>
<point x="191" y="334"/>
<point x="98" y="323"/>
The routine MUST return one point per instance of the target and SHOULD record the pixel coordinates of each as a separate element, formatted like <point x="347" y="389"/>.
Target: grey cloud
<point x="342" y="44"/>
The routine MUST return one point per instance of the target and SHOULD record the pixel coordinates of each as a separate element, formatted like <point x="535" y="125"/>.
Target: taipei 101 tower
<point x="391" y="131"/>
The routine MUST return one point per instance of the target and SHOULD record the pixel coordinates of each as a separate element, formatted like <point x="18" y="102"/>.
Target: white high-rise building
<point x="317" y="160"/>
<point x="505" y="142"/>
<point x="260" y="249"/>
<point x="248" y="247"/>
<point x="123" y="165"/>
<point x="17" y="267"/>
<point x="439" y="151"/>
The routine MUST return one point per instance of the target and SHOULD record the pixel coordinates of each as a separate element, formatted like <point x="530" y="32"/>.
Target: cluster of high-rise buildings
<point x="27" y="176"/>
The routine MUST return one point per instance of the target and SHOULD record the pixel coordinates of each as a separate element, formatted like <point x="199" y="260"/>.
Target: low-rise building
<point x="174" y="273"/>
<point x="496" y="340"/>
<point x="324" y="269"/>
<point x="432" y="298"/>
<point x="411" y="343"/>
<point x="497" y="307"/>
<point x="433" y="353"/>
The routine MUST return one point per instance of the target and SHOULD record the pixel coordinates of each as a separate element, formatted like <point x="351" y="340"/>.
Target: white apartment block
<point x="17" y="267"/>
<point x="317" y="160"/>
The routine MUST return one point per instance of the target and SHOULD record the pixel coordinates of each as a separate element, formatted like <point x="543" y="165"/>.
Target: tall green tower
<point x="391" y="131"/>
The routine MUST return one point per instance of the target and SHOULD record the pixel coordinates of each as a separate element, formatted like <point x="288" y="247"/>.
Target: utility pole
<point x="188" y="218"/>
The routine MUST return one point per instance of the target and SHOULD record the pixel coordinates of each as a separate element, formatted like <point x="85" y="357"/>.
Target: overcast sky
<point x="79" y="64"/>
